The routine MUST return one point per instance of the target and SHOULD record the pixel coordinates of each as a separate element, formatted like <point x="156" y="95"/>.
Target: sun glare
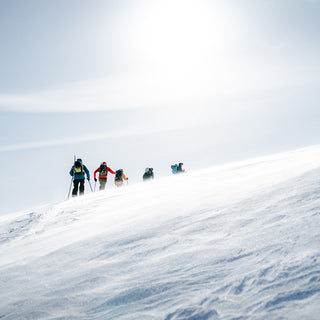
<point x="176" y="33"/>
<point x="176" y="50"/>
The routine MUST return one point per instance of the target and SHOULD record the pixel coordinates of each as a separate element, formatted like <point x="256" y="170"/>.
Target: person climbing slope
<point x="148" y="174"/>
<point x="174" y="168"/>
<point x="78" y="172"/>
<point x="103" y="175"/>
<point x="118" y="179"/>
<point x="179" y="169"/>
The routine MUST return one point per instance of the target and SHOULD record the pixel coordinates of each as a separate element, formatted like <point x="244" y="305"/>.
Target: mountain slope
<point x="239" y="241"/>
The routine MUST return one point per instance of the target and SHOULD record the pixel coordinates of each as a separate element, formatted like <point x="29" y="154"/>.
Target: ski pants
<point x="78" y="184"/>
<point x="102" y="182"/>
<point x="118" y="183"/>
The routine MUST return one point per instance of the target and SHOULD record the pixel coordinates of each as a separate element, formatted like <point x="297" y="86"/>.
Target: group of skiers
<point x="79" y="171"/>
<point x="177" y="168"/>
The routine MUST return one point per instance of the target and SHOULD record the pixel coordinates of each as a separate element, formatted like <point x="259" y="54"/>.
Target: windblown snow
<point x="239" y="241"/>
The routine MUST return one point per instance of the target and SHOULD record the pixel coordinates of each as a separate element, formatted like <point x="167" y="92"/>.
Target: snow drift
<point x="239" y="241"/>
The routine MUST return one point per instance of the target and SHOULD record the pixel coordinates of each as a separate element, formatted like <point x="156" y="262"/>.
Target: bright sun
<point x="173" y="33"/>
<point x="176" y="49"/>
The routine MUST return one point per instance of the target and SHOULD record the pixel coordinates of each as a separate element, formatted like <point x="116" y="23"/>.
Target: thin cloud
<point x="177" y="88"/>
<point x="88" y="138"/>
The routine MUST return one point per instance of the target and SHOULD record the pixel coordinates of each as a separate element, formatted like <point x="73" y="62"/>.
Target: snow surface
<point x="239" y="241"/>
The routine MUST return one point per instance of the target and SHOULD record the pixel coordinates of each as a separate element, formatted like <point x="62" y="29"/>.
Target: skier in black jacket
<point x="148" y="174"/>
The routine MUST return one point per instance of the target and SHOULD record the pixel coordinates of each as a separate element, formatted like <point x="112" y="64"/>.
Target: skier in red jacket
<point x="103" y="173"/>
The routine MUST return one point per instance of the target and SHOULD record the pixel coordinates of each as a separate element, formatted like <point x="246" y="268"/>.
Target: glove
<point x="95" y="179"/>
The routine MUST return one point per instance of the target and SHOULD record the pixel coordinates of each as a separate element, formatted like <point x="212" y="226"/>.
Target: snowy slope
<point x="239" y="241"/>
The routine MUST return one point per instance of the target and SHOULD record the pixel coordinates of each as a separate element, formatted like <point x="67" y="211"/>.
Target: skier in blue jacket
<point x="174" y="168"/>
<point x="78" y="172"/>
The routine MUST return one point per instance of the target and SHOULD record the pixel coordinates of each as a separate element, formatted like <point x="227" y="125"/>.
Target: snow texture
<point x="239" y="241"/>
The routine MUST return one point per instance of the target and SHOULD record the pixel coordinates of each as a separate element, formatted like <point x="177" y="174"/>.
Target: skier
<point x="148" y="174"/>
<point x="118" y="179"/>
<point x="103" y="174"/>
<point x="78" y="172"/>
<point x="174" y="168"/>
<point x="179" y="169"/>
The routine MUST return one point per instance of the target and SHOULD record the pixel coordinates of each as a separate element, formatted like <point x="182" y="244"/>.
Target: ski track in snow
<point x="239" y="241"/>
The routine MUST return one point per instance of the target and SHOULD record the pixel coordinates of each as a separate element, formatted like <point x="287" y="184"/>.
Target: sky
<point x="150" y="83"/>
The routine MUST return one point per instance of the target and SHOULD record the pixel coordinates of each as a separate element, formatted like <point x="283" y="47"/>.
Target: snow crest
<point x="239" y="241"/>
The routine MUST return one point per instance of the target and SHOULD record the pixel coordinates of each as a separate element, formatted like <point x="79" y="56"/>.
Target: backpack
<point x="103" y="170"/>
<point x="78" y="167"/>
<point x="119" y="175"/>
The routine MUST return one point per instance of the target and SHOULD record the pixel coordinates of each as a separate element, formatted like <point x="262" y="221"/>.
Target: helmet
<point x="104" y="163"/>
<point x="80" y="160"/>
<point x="180" y="164"/>
<point x="147" y="169"/>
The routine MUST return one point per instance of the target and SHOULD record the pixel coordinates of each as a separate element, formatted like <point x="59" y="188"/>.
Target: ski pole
<point x="90" y="185"/>
<point x="70" y="187"/>
<point x="74" y="160"/>
<point x="95" y="186"/>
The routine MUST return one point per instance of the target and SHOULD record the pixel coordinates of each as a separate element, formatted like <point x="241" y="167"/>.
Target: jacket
<point x="148" y="175"/>
<point x="81" y="174"/>
<point x="103" y="176"/>
<point x="174" y="168"/>
<point x="117" y="179"/>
